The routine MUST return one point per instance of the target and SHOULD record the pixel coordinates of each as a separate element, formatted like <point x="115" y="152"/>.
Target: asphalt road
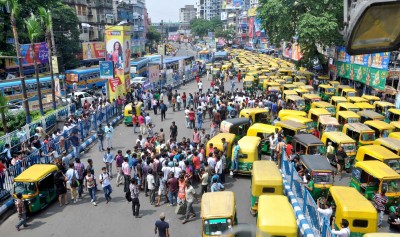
<point x="115" y="218"/>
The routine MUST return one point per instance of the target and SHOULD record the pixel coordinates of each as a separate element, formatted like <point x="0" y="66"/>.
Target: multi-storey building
<point x="186" y="14"/>
<point x="208" y="9"/>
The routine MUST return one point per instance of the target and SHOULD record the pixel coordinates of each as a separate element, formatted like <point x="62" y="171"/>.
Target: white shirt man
<point x="200" y="85"/>
<point x="211" y="162"/>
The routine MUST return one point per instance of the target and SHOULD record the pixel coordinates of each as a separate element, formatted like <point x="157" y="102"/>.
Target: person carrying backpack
<point x="105" y="182"/>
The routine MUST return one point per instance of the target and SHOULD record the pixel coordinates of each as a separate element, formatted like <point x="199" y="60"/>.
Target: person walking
<point x="200" y="118"/>
<point x="80" y="169"/>
<point x="109" y="132"/>
<point x="161" y="227"/>
<point x="133" y="187"/>
<point x="126" y="171"/>
<point x="134" y="121"/>
<point x="119" y="159"/>
<point x="21" y="210"/>
<point x="344" y="231"/>
<point x="105" y="182"/>
<point x="235" y="160"/>
<point x="200" y="86"/>
<point x="340" y="161"/>
<point x="59" y="180"/>
<point x="100" y="136"/>
<point x="90" y="184"/>
<point x="151" y="186"/>
<point x="108" y="159"/>
<point x="163" y="110"/>
<point x="190" y="197"/>
<point x="173" y="130"/>
<point x="172" y="189"/>
<point x="380" y="201"/>
<point x="142" y="124"/>
<point x="204" y="180"/>
<point x="73" y="177"/>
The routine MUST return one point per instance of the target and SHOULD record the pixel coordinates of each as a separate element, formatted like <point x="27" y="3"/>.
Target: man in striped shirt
<point x="380" y="201"/>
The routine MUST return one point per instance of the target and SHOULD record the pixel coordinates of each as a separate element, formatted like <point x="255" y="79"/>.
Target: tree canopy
<point x="315" y="23"/>
<point x="201" y="27"/>
<point x="153" y="35"/>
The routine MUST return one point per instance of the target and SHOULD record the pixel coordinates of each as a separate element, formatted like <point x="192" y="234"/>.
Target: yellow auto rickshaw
<point x="236" y="126"/>
<point x="382" y="107"/>
<point x="298" y="84"/>
<point x="314" y="114"/>
<point x="393" y="115"/>
<point x="381" y="128"/>
<point x="326" y="92"/>
<point x="265" y="179"/>
<point x="323" y="80"/>
<point x="372" y="176"/>
<point x="324" y="105"/>
<point x="288" y="79"/>
<point x="309" y="99"/>
<point x="218" y="214"/>
<point x="301" y="79"/>
<point x="395" y="135"/>
<point x="275" y="217"/>
<point x="396" y="125"/>
<point x="249" y="83"/>
<point x="340" y="139"/>
<point x="360" y="132"/>
<point x="261" y="80"/>
<point x="346" y="106"/>
<point x="349" y="92"/>
<point x="248" y="153"/>
<point x="288" y="87"/>
<point x="380" y="153"/>
<point x="356" y="99"/>
<point x="288" y="112"/>
<point x="291" y="128"/>
<point x="389" y="143"/>
<point x="308" y="87"/>
<point x="365" y="106"/>
<point x="216" y="143"/>
<point x="327" y="124"/>
<point x="307" y="144"/>
<point x="335" y="84"/>
<point x="287" y="93"/>
<point x="37" y="186"/>
<point x="340" y="88"/>
<point x="355" y="208"/>
<point x="345" y="117"/>
<point x="256" y="115"/>
<point x="128" y="112"/>
<point x="371" y="98"/>
<point x="263" y="131"/>
<point x="295" y="100"/>
<point x="303" y="120"/>
<point x="269" y="84"/>
<point x="367" y="115"/>
<point x="302" y="92"/>
<point x="336" y="100"/>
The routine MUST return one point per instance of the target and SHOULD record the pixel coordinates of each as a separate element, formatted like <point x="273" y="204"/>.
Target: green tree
<point x="45" y="18"/>
<point x="33" y="28"/>
<point x="153" y="35"/>
<point x="315" y="23"/>
<point x="228" y="34"/>
<point x="200" y="27"/>
<point x="66" y="34"/>
<point x="3" y="111"/>
<point x="14" y="7"/>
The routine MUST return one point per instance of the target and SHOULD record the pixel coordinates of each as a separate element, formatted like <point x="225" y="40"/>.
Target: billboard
<point x="224" y="16"/>
<point x="296" y="52"/>
<point x="93" y="50"/>
<point x="252" y="12"/>
<point x="42" y="55"/>
<point x="154" y="72"/>
<point x="106" y="70"/>
<point x="118" y="51"/>
<point x="251" y="27"/>
<point x="231" y="4"/>
<point x="369" y="69"/>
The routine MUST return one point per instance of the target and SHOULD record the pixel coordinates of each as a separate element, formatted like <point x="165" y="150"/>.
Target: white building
<point x="208" y="9"/>
<point x="187" y="13"/>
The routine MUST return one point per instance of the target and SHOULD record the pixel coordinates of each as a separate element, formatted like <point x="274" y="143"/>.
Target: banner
<point x="231" y="4"/>
<point x="93" y="50"/>
<point x="252" y="12"/>
<point x="370" y="69"/>
<point x="251" y="27"/>
<point x="257" y="27"/>
<point x="54" y="63"/>
<point x="296" y="52"/>
<point x="118" y="51"/>
<point x="42" y="55"/>
<point x="154" y="72"/>
<point x="57" y="88"/>
<point x="106" y="70"/>
<point x="224" y="16"/>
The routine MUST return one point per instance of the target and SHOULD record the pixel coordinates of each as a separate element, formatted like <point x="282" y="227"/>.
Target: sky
<point x="167" y="10"/>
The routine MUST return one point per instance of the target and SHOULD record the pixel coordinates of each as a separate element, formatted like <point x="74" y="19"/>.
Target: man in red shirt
<point x="134" y="122"/>
<point x="239" y="76"/>
<point x="192" y="118"/>
<point x="316" y="132"/>
<point x="196" y="165"/>
<point x="289" y="149"/>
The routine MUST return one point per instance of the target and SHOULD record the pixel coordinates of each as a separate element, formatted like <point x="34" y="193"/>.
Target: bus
<point x="29" y="70"/>
<point x="12" y="89"/>
<point x="139" y="67"/>
<point x="84" y="78"/>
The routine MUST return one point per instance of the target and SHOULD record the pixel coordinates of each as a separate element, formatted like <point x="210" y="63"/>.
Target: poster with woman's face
<point x="115" y="53"/>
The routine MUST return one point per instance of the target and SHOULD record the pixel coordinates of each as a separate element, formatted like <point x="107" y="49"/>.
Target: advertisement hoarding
<point x="42" y="55"/>
<point x="106" y="70"/>
<point x="118" y="51"/>
<point x="231" y="4"/>
<point x="92" y="50"/>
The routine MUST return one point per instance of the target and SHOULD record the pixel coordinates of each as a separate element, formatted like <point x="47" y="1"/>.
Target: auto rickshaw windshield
<point x="24" y="188"/>
<point x="218" y="226"/>
<point x="391" y="186"/>
<point x="349" y="147"/>
<point x="385" y="133"/>
<point x="331" y="110"/>
<point x="310" y="125"/>
<point x="313" y="150"/>
<point x="300" y="103"/>
<point x="352" y="93"/>
<point x="353" y="120"/>
<point x="330" y="90"/>
<point x="322" y="178"/>
<point x="355" y="110"/>
<point x="370" y="136"/>
<point x="394" y="164"/>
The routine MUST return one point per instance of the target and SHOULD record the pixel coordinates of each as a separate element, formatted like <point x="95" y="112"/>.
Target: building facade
<point x="208" y="9"/>
<point x="187" y="13"/>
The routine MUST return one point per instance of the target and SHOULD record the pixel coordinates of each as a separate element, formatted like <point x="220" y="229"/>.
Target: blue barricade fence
<point x="309" y="220"/>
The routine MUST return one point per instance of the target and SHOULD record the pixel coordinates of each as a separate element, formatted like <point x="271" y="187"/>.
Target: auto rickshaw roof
<point x="378" y="124"/>
<point x="395" y="135"/>
<point x="249" y="143"/>
<point x="229" y="137"/>
<point x="266" y="173"/>
<point x="323" y="78"/>
<point x="315" y="163"/>
<point x="322" y="104"/>
<point x="381" y="235"/>
<point x="348" y="105"/>
<point x="297" y="118"/>
<point x="344" y="86"/>
<point x="392" y="143"/>
<point x="290" y="124"/>
<point x="128" y="106"/>
<point x="371" y="114"/>
<point x="249" y="78"/>
<point x="276" y="215"/>
<point x="328" y="120"/>
<point x="294" y="97"/>
<point x="338" y="98"/>
<point x="357" y="99"/>
<point x="237" y="121"/>
<point x="348" y="114"/>
<point x="378" y="151"/>
<point x="377" y="169"/>
<point x="326" y="86"/>
<point x="261" y="127"/>
<point x="289" y="112"/>
<point x="351" y="203"/>
<point x="349" y="89"/>
<point x="311" y="96"/>
<point x="358" y="127"/>
<point x="371" y="97"/>
<point x="338" y="137"/>
<point x="289" y="85"/>
<point x="218" y="204"/>
<point x="35" y="173"/>
<point x="364" y="105"/>
<point x="396" y="124"/>
<point x="253" y="111"/>
<point x="319" y="111"/>
<point x="308" y="139"/>
<point x="384" y="104"/>
<point x="395" y="111"/>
